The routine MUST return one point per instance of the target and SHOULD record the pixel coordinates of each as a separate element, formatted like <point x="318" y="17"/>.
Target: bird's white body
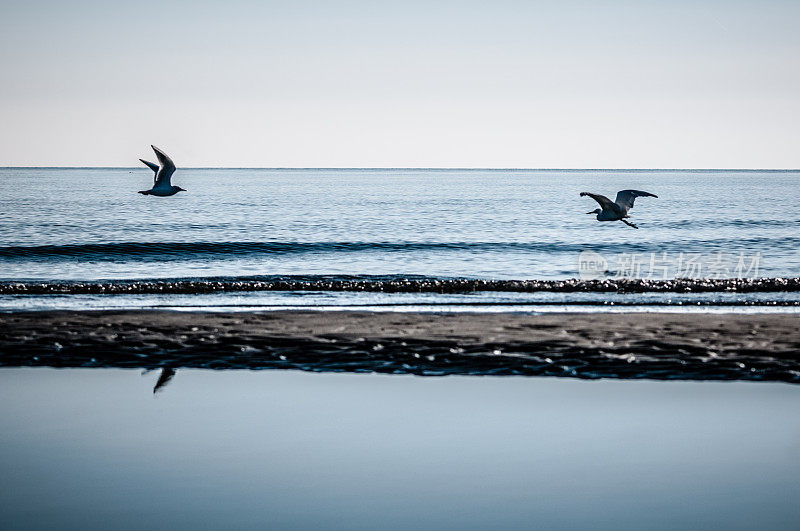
<point x="616" y="210"/>
<point x="163" y="174"/>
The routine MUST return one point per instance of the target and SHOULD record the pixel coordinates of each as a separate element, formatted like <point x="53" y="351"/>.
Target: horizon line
<point x="433" y="168"/>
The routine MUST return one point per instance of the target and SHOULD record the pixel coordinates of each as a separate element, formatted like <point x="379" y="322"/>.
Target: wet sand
<point x="636" y="345"/>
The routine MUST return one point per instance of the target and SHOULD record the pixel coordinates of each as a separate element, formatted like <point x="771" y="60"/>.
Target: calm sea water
<point x="90" y="224"/>
<point x="95" y="449"/>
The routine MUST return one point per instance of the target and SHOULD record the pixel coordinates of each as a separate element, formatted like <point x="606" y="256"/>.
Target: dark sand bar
<point x="634" y="345"/>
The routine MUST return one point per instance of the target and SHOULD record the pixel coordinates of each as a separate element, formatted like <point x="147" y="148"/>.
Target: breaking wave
<point x="395" y="284"/>
<point x="173" y="250"/>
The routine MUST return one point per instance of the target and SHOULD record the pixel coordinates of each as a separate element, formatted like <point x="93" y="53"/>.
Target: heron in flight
<point x="617" y="210"/>
<point x="163" y="172"/>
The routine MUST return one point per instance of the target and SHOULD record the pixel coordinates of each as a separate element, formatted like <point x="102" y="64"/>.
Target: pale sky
<point x="594" y="84"/>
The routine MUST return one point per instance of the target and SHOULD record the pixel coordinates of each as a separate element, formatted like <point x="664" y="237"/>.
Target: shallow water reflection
<point x="241" y="449"/>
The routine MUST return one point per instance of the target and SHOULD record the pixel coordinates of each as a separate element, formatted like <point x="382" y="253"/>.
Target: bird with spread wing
<point x="618" y="209"/>
<point x="163" y="173"/>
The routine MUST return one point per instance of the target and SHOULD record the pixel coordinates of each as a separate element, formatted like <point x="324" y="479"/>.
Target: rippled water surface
<point x="90" y="224"/>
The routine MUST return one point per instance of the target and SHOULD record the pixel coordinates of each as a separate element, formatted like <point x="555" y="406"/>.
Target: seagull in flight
<point x="163" y="170"/>
<point x="618" y="210"/>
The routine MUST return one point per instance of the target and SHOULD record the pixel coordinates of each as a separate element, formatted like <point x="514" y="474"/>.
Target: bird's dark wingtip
<point x="158" y="150"/>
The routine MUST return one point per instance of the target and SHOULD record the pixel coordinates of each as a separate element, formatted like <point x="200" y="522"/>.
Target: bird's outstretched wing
<point x="166" y="170"/>
<point x="150" y="165"/>
<point x="625" y="198"/>
<point x="605" y="203"/>
<point x="153" y="167"/>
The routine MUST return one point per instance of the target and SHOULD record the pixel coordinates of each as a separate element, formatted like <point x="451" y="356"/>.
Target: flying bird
<point x="163" y="172"/>
<point x="617" y="210"/>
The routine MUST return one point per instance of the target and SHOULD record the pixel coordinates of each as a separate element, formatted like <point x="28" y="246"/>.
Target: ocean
<point x="340" y="420"/>
<point x="450" y="239"/>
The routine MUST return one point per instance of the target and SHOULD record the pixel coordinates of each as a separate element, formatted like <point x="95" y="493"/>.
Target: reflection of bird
<point x="618" y="210"/>
<point x="161" y="186"/>
<point x="163" y="379"/>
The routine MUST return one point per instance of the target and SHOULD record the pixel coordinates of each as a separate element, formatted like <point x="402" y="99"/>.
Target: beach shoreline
<point x="599" y="345"/>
